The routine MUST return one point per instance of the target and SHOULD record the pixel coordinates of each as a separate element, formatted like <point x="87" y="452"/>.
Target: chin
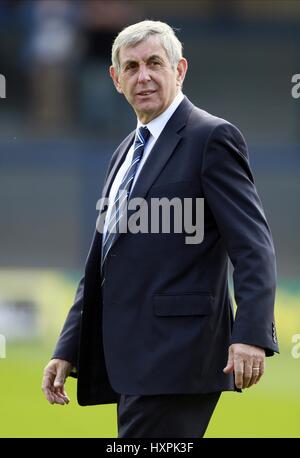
<point x="149" y="107"/>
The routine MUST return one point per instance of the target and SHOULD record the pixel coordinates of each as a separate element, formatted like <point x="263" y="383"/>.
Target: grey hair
<point x="141" y="31"/>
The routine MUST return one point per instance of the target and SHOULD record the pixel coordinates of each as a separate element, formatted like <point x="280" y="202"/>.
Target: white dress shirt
<point x="155" y="127"/>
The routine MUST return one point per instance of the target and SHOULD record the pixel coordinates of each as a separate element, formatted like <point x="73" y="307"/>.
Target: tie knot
<point x="144" y="134"/>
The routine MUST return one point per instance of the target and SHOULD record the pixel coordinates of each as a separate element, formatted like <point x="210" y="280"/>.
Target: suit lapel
<point x="159" y="155"/>
<point x="162" y="150"/>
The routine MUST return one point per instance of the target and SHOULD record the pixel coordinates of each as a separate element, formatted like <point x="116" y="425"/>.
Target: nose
<point x="144" y="74"/>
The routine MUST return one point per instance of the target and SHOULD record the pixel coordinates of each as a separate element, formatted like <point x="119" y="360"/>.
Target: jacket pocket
<point x="185" y="304"/>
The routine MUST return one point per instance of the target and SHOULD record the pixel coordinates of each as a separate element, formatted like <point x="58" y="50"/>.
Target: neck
<point x="145" y="118"/>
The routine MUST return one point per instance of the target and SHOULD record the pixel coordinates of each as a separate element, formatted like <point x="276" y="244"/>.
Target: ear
<point x="115" y="77"/>
<point x="181" y="71"/>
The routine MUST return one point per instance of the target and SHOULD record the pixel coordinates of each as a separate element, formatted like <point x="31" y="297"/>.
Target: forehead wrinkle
<point x="142" y="49"/>
<point x="133" y="60"/>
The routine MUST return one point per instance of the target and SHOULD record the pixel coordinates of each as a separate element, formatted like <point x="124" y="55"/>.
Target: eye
<point x="155" y="63"/>
<point x="130" y="66"/>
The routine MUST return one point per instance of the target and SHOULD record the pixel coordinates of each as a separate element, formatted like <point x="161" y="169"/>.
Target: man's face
<point x="147" y="79"/>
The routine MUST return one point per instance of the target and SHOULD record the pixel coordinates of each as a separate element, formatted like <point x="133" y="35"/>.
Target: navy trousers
<point x="165" y="415"/>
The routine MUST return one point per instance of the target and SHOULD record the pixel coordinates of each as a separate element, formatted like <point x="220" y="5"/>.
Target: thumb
<point x="230" y="366"/>
<point x="59" y="379"/>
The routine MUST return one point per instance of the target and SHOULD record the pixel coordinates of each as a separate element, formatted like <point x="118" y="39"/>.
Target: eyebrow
<point x="133" y="61"/>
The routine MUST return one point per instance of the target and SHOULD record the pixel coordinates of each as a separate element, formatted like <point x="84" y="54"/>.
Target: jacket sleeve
<point x="68" y="342"/>
<point x="230" y="193"/>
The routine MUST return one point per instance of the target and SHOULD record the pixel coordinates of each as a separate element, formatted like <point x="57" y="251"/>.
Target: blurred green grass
<point x="269" y="409"/>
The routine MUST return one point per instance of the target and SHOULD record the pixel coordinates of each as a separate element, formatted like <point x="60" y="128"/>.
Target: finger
<point x="64" y="399"/>
<point x="261" y="371"/>
<point x="229" y="368"/>
<point x="60" y="379"/>
<point x="247" y="373"/>
<point x="254" y="378"/>
<point x="47" y="385"/>
<point x="63" y="395"/>
<point x="238" y="372"/>
<point x="61" y="390"/>
<point x="59" y="382"/>
<point x="48" y="380"/>
<point x="255" y="373"/>
<point x="58" y="399"/>
<point x="230" y="364"/>
<point x="49" y="396"/>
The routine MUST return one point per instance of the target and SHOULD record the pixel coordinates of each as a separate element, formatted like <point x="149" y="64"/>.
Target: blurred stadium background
<point x="59" y="124"/>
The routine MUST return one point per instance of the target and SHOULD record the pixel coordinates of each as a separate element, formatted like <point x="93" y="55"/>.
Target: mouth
<point x="146" y="93"/>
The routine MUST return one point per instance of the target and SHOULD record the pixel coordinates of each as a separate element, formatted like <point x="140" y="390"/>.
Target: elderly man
<point x="152" y="326"/>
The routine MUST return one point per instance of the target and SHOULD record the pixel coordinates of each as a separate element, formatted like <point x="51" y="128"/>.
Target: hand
<point x="55" y="374"/>
<point x="247" y="362"/>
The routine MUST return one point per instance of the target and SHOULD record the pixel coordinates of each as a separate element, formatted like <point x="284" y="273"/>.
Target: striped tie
<point x="123" y="192"/>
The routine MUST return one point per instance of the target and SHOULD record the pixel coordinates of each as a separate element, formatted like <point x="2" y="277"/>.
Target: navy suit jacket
<point x="163" y="320"/>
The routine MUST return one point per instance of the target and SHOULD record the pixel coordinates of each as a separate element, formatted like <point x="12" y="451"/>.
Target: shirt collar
<point x="157" y="125"/>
